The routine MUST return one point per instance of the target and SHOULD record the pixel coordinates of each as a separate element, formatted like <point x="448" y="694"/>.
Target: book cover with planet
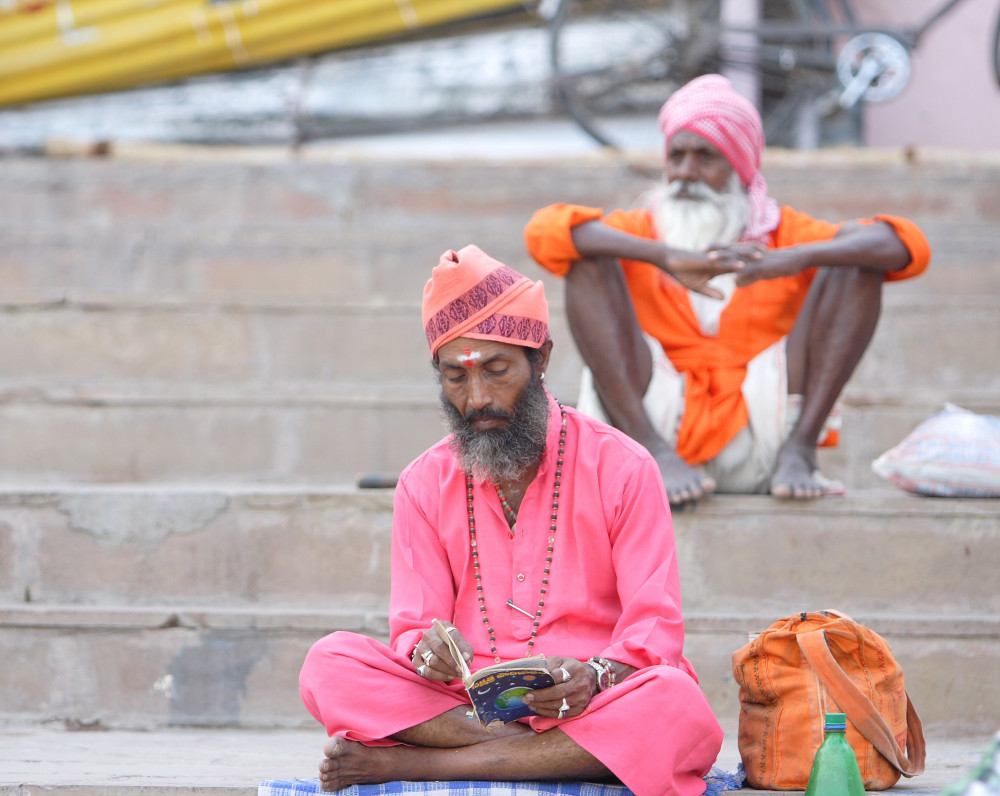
<point x="496" y="691"/>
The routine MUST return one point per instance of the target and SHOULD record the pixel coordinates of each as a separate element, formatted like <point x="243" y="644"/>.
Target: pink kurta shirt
<point x="613" y="586"/>
<point x="613" y="591"/>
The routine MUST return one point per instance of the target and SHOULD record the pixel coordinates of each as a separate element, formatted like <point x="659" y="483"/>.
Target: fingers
<point x="571" y="693"/>
<point x="432" y="658"/>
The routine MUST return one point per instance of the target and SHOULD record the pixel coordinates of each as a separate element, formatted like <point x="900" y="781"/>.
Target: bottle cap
<point x="836" y="721"/>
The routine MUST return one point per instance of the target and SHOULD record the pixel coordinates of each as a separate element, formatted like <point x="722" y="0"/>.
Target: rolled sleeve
<point x="549" y="235"/>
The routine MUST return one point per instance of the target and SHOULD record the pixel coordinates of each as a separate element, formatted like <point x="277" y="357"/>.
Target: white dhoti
<point x="745" y="464"/>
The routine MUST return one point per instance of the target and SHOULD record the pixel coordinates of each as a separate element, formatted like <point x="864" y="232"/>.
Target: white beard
<point x="694" y="224"/>
<point x="710" y="218"/>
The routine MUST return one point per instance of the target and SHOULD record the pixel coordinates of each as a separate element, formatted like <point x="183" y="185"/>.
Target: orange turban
<point x="470" y="294"/>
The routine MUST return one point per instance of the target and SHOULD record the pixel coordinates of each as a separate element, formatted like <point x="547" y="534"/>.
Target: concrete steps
<point x="200" y="354"/>
<point x="215" y="594"/>
<point x="280" y="390"/>
<point x="270" y="306"/>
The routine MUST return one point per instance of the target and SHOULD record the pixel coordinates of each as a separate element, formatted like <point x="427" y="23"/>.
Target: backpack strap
<point x="861" y="711"/>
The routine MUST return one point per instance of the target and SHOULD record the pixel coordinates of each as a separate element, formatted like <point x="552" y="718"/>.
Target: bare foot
<point x="684" y="483"/>
<point x="350" y="763"/>
<point x="797" y="476"/>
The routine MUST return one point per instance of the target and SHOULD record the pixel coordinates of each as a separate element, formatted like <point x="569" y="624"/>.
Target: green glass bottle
<point x="835" y="769"/>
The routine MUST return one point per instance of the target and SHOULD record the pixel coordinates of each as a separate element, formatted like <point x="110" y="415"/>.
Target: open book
<point x="496" y="690"/>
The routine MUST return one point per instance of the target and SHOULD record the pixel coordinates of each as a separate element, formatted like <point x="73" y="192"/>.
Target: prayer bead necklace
<point x="548" y="554"/>
<point x="511" y="514"/>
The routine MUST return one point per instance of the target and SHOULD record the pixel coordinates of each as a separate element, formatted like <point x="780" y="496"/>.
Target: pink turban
<point x="710" y="107"/>
<point x="470" y="294"/>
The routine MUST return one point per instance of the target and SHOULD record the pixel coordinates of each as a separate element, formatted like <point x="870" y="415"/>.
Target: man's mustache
<point x="487" y="414"/>
<point x="694" y="190"/>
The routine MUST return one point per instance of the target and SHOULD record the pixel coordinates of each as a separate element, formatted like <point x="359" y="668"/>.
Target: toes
<point x="331" y="746"/>
<point x="783" y="491"/>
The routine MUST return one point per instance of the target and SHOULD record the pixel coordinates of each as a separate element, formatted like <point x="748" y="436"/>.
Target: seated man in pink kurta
<point x="530" y="529"/>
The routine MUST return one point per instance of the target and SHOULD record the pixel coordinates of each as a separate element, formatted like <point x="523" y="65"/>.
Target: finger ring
<point x="427" y="655"/>
<point x="563" y="708"/>
<point x="420" y="669"/>
<point x="565" y="674"/>
<point x="451" y="629"/>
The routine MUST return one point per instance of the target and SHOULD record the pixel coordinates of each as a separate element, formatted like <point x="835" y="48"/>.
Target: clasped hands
<point x="750" y="261"/>
<point x="575" y="685"/>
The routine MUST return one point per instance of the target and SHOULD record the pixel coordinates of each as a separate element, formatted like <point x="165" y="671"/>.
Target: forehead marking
<point x="469" y="357"/>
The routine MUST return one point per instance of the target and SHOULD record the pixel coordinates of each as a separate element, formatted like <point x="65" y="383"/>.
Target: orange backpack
<point x="810" y="664"/>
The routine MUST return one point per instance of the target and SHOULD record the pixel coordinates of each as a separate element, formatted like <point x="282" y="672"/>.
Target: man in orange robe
<point x="719" y="329"/>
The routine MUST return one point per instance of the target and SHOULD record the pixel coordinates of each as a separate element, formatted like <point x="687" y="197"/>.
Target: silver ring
<point x="420" y="669"/>
<point x="565" y="673"/>
<point x="427" y="655"/>
<point x="451" y="629"/>
<point x="563" y="708"/>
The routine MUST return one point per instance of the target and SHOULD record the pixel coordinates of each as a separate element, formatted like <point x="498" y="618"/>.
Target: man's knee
<point x="849" y="281"/>
<point x="590" y="272"/>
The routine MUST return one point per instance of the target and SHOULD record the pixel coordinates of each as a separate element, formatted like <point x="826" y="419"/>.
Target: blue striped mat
<point x="717" y="781"/>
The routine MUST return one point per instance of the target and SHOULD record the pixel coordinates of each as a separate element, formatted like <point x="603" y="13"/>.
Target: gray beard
<point x="505" y="453"/>
<point x="695" y="224"/>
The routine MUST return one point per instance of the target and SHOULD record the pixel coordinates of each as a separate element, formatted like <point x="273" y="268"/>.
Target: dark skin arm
<point x="692" y="269"/>
<point x="874" y="247"/>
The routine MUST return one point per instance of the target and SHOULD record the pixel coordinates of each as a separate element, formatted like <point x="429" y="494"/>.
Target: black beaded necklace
<point x="548" y="555"/>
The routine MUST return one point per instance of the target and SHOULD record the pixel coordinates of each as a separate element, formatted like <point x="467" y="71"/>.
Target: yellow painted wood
<point x="24" y="21"/>
<point x="82" y="46"/>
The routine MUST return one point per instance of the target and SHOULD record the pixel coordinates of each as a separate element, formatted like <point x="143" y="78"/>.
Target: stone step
<point x="294" y="546"/>
<point x="216" y="594"/>
<point x="325" y="434"/>
<point x="365" y="260"/>
<point x="922" y="343"/>
<point x="141" y="668"/>
<point x="375" y="226"/>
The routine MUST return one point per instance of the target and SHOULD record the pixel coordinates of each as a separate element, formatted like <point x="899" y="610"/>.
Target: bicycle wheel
<point x="613" y="60"/>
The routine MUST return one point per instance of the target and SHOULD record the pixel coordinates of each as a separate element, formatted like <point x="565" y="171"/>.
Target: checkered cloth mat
<point x="716" y="782"/>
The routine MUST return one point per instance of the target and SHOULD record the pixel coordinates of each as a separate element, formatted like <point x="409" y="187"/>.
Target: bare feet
<point x="350" y="763"/>
<point x="684" y="483"/>
<point x="797" y="476"/>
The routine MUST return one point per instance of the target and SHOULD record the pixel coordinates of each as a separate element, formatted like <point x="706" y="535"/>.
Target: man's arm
<point x="874" y="246"/>
<point x="595" y="239"/>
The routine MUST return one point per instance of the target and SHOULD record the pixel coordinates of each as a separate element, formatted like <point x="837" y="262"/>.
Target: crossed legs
<point x="442" y="751"/>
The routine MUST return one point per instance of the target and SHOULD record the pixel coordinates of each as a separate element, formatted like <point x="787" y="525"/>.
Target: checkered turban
<point x="710" y="107"/>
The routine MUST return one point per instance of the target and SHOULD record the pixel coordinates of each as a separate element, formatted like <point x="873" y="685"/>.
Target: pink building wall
<point x="952" y="99"/>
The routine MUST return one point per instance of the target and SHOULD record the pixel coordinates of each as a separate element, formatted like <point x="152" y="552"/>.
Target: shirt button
<point x="520" y="576"/>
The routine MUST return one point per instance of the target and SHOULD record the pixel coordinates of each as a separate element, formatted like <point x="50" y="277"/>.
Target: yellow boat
<point x="59" y="48"/>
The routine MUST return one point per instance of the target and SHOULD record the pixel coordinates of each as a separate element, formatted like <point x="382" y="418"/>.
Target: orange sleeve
<point x="914" y="240"/>
<point x="549" y="234"/>
<point x="549" y="238"/>
<point x="797" y="227"/>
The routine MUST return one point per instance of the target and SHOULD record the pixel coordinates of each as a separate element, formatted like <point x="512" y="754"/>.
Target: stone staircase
<point x="201" y="354"/>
